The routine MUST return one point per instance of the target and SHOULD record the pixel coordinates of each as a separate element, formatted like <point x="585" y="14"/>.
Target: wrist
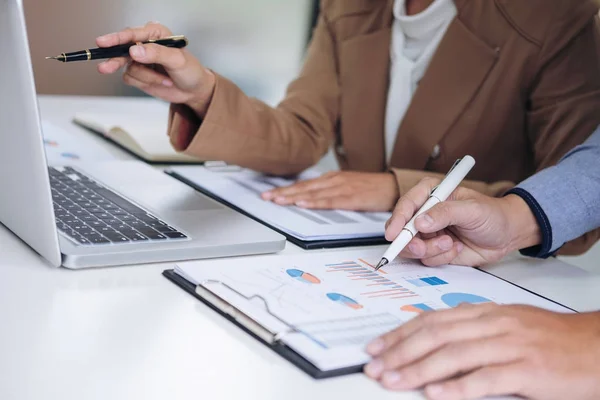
<point x="201" y="99"/>
<point x="395" y="190"/>
<point x="523" y="228"/>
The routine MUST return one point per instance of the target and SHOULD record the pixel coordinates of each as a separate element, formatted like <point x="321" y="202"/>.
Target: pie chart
<point x="417" y="308"/>
<point x="456" y="299"/>
<point x="344" y="300"/>
<point x="303" y="277"/>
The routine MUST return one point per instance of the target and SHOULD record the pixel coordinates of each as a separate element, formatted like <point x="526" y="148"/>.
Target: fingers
<point x="444" y="258"/>
<point x="155" y="90"/>
<point x="451" y="360"/>
<point x="112" y="65"/>
<point x="425" y="249"/>
<point x="408" y="205"/>
<point x="449" y="213"/>
<point x="282" y="195"/>
<point x="169" y="58"/>
<point x="146" y="75"/>
<point x="385" y="342"/>
<point x="495" y="380"/>
<point x="312" y="198"/>
<point x="332" y="203"/>
<point x="437" y="342"/>
<point x="152" y="30"/>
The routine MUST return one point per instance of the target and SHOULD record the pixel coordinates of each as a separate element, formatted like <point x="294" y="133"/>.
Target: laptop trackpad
<point x="150" y="187"/>
<point x="172" y="198"/>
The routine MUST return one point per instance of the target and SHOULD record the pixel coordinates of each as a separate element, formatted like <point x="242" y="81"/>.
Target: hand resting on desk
<point x="356" y="191"/>
<point x="472" y="352"/>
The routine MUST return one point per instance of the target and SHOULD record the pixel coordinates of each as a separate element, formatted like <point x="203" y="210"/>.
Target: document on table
<point x="243" y="188"/>
<point x="63" y="147"/>
<point x="327" y="307"/>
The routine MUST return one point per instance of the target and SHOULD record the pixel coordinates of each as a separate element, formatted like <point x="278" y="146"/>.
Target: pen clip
<point x="448" y="173"/>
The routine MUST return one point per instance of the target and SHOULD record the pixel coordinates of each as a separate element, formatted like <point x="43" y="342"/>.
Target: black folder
<point x="279" y="347"/>
<point x="304" y="244"/>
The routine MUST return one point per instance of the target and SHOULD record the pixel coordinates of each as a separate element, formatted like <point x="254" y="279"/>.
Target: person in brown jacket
<point x="400" y="86"/>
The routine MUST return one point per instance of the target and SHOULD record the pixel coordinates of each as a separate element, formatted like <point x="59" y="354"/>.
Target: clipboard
<point x="304" y="244"/>
<point x="270" y="339"/>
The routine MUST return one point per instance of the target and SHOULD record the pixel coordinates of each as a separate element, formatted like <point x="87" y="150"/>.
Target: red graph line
<point x="370" y="265"/>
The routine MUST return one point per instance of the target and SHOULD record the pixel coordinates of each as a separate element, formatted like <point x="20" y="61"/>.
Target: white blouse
<point x="415" y="39"/>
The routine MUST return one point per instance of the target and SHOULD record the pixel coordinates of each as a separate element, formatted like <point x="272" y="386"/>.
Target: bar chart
<point x="427" y="281"/>
<point x="376" y="284"/>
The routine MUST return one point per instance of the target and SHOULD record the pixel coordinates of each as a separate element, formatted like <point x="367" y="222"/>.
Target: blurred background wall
<point x="259" y="44"/>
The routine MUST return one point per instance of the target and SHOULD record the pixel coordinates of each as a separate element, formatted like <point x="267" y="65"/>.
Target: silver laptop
<point x="113" y="213"/>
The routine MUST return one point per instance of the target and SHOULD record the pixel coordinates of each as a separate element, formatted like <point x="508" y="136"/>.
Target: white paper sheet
<point x="63" y="147"/>
<point x="339" y="304"/>
<point x="243" y="189"/>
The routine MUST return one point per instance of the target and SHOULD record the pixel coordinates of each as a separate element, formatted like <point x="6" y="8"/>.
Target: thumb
<point x="449" y="213"/>
<point x="170" y="58"/>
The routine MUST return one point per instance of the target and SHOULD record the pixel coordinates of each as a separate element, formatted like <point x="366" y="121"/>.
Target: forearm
<point x="566" y="197"/>
<point x="245" y="131"/>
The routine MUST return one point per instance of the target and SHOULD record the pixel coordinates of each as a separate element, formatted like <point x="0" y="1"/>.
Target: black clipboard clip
<point x="241" y="317"/>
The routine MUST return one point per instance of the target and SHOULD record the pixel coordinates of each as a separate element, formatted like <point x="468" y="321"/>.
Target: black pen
<point x="117" y="51"/>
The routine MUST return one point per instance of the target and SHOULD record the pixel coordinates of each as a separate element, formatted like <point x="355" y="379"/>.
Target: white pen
<point x="452" y="180"/>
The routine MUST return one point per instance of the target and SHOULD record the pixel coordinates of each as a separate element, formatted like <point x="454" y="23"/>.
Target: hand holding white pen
<point x="452" y="180"/>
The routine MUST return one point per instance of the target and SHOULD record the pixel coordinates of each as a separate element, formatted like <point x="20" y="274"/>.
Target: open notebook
<point x="320" y="310"/>
<point x="143" y="134"/>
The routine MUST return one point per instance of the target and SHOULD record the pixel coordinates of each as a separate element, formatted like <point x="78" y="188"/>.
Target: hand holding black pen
<point x="168" y="73"/>
<point x="121" y="50"/>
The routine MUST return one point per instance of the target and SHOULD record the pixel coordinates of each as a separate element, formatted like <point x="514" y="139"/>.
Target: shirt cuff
<point x="543" y="250"/>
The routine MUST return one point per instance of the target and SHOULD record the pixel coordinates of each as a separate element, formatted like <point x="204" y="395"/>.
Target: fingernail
<point x="425" y="221"/>
<point x="302" y="203"/>
<point x="267" y="195"/>
<point x="374" y="369"/>
<point x="375" y="347"/>
<point x="445" y="244"/>
<point x="138" y="51"/>
<point x="391" y="378"/>
<point x="280" y="199"/>
<point x="434" y="390"/>
<point x="167" y="83"/>
<point x="460" y="247"/>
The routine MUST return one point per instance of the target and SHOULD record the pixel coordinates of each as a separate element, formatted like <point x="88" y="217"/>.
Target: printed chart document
<point x="63" y="147"/>
<point x="327" y="307"/>
<point x="242" y="189"/>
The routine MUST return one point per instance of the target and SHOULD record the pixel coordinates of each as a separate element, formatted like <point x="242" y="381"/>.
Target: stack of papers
<point x="242" y="189"/>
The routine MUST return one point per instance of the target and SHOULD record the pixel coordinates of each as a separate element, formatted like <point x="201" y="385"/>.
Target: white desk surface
<point x="128" y="333"/>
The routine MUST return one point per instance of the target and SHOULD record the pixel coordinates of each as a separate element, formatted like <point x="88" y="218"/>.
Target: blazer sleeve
<point x="283" y="140"/>
<point x="564" y="105"/>
<point x="565" y="198"/>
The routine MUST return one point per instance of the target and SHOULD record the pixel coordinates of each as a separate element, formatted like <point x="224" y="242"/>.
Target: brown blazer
<point x="514" y="83"/>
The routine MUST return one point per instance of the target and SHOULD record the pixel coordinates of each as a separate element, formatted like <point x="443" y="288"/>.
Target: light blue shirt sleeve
<point x="569" y="193"/>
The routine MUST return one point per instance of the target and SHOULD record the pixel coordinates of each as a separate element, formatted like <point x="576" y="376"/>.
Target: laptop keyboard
<point x="91" y="214"/>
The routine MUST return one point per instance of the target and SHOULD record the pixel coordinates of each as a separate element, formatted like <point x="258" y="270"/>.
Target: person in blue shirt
<point x="489" y="350"/>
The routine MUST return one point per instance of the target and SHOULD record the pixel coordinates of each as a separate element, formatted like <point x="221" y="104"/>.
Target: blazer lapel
<point x="457" y="70"/>
<point x="364" y="74"/>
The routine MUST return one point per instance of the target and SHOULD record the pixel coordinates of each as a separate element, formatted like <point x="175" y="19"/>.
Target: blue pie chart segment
<point x="456" y="299"/>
